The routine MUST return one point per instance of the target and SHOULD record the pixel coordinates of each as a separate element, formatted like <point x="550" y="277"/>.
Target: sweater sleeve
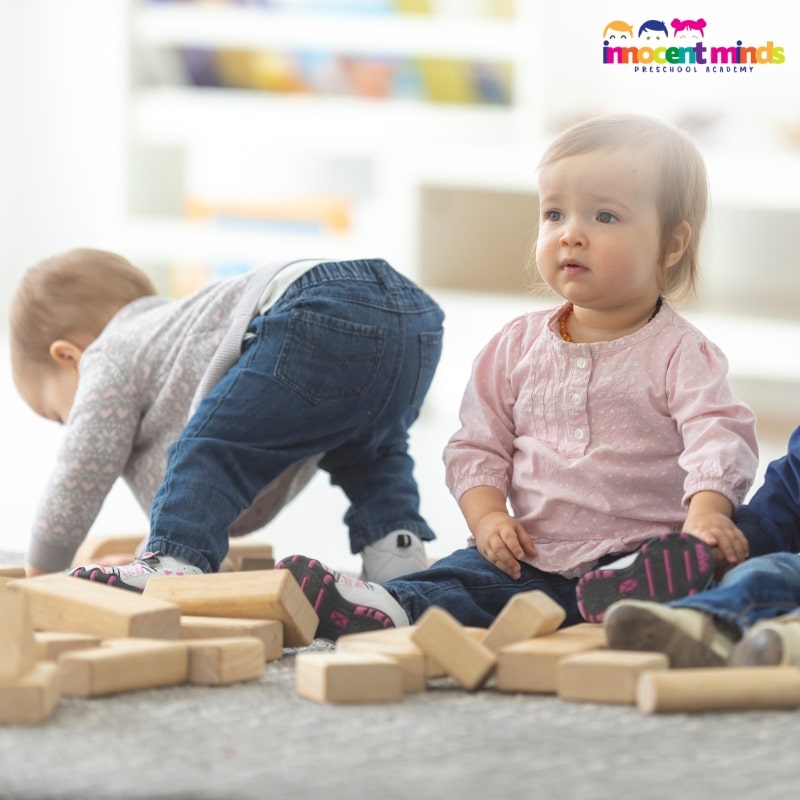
<point x="719" y="435"/>
<point x="771" y="520"/>
<point x="97" y="442"/>
<point x="480" y="452"/>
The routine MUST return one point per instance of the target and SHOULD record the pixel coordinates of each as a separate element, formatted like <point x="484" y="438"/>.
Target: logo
<point x="682" y="46"/>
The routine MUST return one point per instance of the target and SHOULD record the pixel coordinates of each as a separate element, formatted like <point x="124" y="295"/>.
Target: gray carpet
<point x="261" y="740"/>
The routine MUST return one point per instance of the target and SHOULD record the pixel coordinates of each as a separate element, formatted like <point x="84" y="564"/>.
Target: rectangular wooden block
<point x="267" y="594"/>
<point x="51" y="644"/>
<point x="123" y="665"/>
<point x="17" y="647"/>
<point x="718" y="689"/>
<point x="217" y="662"/>
<point x="62" y="603"/>
<point x="245" y="553"/>
<point x="605" y="676"/>
<point x="11" y="571"/>
<point x="269" y="631"/>
<point x="96" y="547"/>
<point x="531" y="665"/>
<point x="466" y="660"/>
<point x="410" y="658"/>
<point x="348" y="678"/>
<point x="33" y="697"/>
<point x="525" y="616"/>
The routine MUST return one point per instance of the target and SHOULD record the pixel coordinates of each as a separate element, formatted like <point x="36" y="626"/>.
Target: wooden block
<point x="468" y="661"/>
<point x="51" y="644"/>
<point x="217" y="662"/>
<point x="718" y="689"/>
<point x="96" y="547"/>
<point x="249" y="564"/>
<point x="245" y="553"/>
<point x="62" y="603"/>
<point x="348" y="678"/>
<point x="17" y="647"/>
<point x="531" y="665"/>
<point x="268" y="594"/>
<point x="123" y="665"/>
<point x="11" y="571"/>
<point x="33" y="697"/>
<point x="605" y="676"/>
<point x="410" y="658"/>
<point x="269" y="631"/>
<point x="525" y="616"/>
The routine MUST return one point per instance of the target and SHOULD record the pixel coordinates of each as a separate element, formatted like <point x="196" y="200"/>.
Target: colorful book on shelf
<point x="435" y="80"/>
<point x="313" y="213"/>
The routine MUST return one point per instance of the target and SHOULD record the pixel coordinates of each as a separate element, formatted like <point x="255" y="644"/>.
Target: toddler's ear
<point x="66" y="353"/>
<point x="678" y="242"/>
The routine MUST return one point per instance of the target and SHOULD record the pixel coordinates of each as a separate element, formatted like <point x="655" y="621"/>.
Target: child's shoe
<point x="344" y="605"/>
<point x="774" y="642"/>
<point x="398" y="553"/>
<point x="689" y="637"/>
<point x="135" y="576"/>
<point x="666" y="568"/>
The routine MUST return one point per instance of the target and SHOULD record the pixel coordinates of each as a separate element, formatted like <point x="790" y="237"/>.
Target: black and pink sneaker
<point x="344" y="605"/>
<point x="671" y="566"/>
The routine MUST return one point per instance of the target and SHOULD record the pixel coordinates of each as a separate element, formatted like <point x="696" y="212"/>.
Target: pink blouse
<point x="599" y="447"/>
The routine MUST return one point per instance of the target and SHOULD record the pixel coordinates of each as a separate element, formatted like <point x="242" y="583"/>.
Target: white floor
<point x="313" y="523"/>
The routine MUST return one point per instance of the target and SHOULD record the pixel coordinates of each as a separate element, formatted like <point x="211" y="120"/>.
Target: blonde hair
<point x="69" y="296"/>
<point x="681" y="187"/>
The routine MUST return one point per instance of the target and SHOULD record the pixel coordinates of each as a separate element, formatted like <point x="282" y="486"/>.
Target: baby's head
<point x="67" y="298"/>
<point x="680" y="188"/>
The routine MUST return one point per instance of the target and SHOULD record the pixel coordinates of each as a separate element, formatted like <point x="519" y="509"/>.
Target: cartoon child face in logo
<point x="653" y="29"/>
<point x="689" y="28"/>
<point x="618" y="30"/>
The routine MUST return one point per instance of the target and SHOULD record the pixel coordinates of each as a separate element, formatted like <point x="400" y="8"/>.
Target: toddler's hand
<point x="502" y="541"/>
<point x="719" y="533"/>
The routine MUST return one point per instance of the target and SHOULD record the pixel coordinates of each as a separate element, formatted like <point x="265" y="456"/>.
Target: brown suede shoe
<point x="690" y="638"/>
<point x="774" y="642"/>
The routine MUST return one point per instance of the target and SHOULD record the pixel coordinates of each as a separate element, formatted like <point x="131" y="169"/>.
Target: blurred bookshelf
<point x="270" y="129"/>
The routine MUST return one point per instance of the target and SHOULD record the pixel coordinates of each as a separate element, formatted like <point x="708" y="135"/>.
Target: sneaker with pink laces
<point x="344" y="605"/>
<point x="135" y="576"/>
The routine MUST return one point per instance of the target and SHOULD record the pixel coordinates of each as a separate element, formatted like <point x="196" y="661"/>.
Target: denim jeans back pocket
<point x="430" y="344"/>
<point x="326" y="358"/>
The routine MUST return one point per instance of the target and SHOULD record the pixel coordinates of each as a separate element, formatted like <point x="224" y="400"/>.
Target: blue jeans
<point x="475" y="591"/>
<point x="339" y="365"/>
<point x="763" y="587"/>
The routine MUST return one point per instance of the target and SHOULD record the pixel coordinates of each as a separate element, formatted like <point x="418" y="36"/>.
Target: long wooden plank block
<point x="123" y="665"/>
<point x="62" y="603"/>
<point x="261" y="594"/>
<point x="718" y="689"/>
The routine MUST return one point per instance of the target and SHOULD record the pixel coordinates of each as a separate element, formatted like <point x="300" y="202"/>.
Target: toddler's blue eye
<point x="606" y="217"/>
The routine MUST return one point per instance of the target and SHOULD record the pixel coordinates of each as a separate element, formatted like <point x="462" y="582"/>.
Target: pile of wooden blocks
<point x="61" y="636"/>
<point x="525" y="651"/>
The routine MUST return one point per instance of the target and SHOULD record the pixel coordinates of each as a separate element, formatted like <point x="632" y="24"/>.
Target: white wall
<point x="62" y="85"/>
